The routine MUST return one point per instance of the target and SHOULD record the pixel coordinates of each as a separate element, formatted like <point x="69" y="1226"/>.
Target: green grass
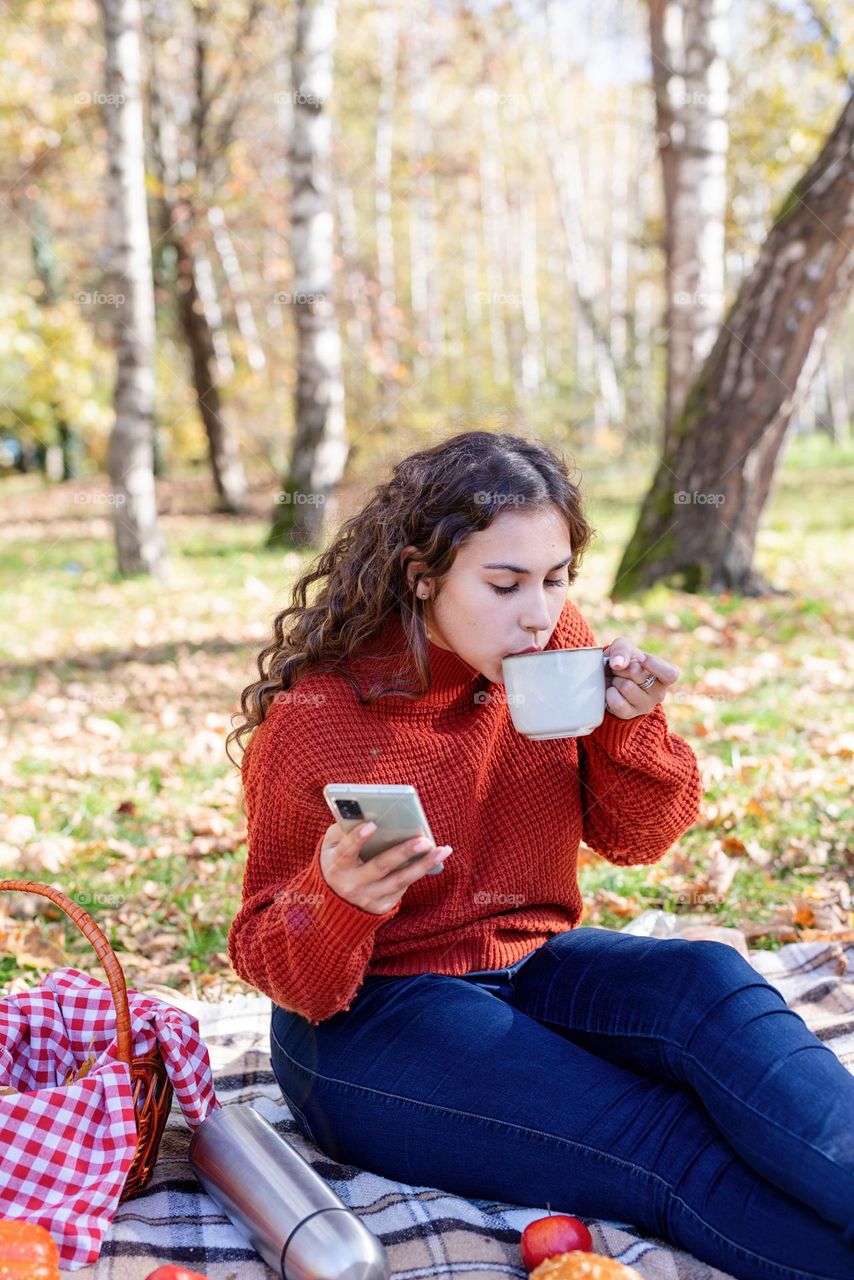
<point x="118" y="695"/>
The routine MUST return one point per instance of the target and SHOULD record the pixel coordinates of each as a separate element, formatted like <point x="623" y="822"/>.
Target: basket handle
<point x="94" y="934"/>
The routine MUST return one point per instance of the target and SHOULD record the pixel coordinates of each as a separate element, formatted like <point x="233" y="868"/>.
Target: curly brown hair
<point x="434" y="500"/>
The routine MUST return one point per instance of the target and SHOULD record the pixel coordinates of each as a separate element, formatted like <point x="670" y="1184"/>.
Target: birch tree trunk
<point x="359" y="326"/>
<point x="837" y="394"/>
<point x="45" y="267"/>
<point x="561" y="153"/>
<point x="387" y="18"/>
<point x="697" y="525"/>
<point x="422" y="204"/>
<point x="208" y="301"/>
<point x="139" y="546"/>
<point x="200" y="334"/>
<point x="243" y="313"/>
<point x="319" y="450"/>
<point x="532" y="361"/>
<point x="620" y="207"/>
<point x="689" y="44"/>
<point x="467" y="199"/>
<point x="643" y="305"/>
<point x="493" y="216"/>
<point x="198" y="308"/>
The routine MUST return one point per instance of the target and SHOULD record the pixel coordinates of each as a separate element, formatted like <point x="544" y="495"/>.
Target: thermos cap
<point x="335" y="1246"/>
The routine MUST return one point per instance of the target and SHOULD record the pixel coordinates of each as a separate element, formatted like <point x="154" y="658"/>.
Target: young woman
<point x="458" y="1030"/>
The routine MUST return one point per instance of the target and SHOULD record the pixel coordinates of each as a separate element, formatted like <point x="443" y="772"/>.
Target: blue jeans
<point x="658" y="1082"/>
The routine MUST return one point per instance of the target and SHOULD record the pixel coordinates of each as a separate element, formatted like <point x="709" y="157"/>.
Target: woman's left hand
<point x="631" y="668"/>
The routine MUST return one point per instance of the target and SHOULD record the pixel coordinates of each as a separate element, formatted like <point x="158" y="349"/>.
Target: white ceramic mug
<point x="559" y="693"/>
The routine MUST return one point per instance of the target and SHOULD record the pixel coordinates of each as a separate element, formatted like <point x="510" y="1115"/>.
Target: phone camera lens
<point x="349" y="808"/>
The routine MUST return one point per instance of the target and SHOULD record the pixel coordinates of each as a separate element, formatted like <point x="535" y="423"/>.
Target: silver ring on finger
<point x="647" y="683"/>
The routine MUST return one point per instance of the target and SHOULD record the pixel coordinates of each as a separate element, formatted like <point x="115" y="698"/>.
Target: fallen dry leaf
<point x="32" y="947"/>
<point x="205" y="821"/>
<point x="616" y="903"/>
<point x="826" y="935"/>
<point x="85" y="1067"/>
<point x="718" y="875"/>
<point x="17" y="828"/>
<point x="103" y="728"/>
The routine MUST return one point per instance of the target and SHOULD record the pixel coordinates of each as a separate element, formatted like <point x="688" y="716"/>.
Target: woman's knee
<point x="720" y="989"/>
<point x="717" y="964"/>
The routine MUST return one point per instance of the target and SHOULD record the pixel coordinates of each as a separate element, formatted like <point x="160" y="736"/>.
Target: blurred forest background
<point x="257" y="251"/>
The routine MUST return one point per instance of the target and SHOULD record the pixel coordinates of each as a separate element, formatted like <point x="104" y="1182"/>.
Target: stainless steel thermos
<point x="272" y="1195"/>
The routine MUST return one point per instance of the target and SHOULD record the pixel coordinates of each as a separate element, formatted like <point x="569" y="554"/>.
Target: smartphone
<point x="395" y="809"/>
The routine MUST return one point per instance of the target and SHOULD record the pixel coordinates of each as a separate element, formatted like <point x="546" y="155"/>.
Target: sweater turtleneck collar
<point x="453" y="681"/>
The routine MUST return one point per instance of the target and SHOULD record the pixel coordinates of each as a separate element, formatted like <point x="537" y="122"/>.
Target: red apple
<point x="558" y="1233"/>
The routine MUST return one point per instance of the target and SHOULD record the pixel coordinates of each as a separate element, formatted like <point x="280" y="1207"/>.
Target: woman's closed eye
<point x="506" y="591"/>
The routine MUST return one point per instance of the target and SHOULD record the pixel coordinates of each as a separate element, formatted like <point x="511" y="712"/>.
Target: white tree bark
<point x="359" y="335"/>
<point x="233" y="273"/>
<point x="619" y="204"/>
<point x="466" y="200"/>
<point x="493" y="216"/>
<point x="387" y="19"/>
<point x="562" y="156"/>
<point x="532" y="360"/>
<point x="131" y="450"/>
<point x="837" y="385"/>
<point x="689" y="43"/>
<point x="426" y="317"/>
<point x="320" y="449"/>
<point x="209" y="299"/>
<point x="644" y="303"/>
<point x="467" y="197"/>
<point x="196" y="297"/>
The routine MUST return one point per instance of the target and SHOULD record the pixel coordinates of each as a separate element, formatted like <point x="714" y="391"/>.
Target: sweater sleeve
<point x="640" y="783"/>
<point x="294" y="938"/>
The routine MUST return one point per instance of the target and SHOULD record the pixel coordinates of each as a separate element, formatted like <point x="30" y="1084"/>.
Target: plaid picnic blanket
<point x="175" y="1221"/>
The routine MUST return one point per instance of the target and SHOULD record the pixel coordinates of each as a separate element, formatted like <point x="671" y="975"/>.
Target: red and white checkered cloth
<point x="65" y="1150"/>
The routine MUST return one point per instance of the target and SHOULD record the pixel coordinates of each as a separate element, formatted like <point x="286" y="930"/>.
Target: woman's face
<point x="486" y="611"/>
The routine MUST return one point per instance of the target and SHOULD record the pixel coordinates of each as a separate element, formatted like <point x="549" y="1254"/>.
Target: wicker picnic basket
<point x="152" y="1088"/>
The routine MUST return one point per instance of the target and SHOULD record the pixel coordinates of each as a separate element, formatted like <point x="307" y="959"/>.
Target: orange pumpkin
<point x="27" y="1251"/>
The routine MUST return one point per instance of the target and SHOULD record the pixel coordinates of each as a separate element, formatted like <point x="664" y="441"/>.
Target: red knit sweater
<point x="514" y="811"/>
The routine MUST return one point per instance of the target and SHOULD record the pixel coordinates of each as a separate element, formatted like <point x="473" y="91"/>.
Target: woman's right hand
<point x="378" y="884"/>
